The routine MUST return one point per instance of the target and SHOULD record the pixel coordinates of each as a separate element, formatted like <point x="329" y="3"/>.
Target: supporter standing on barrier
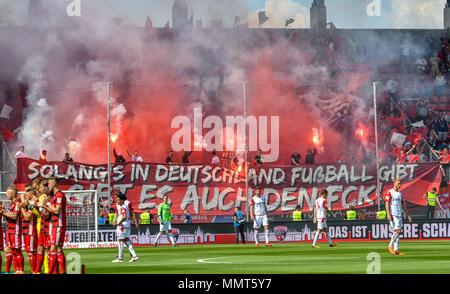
<point x="295" y="158"/>
<point x="165" y="218"/>
<point x="122" y="219"/>
<point x="21" y="153"/>
<point x="431" y="200"/>
<point x="259" y="217"/>
<point x="394" y="208"/>
<point x="67" y="158"/>
<point x="320" y="217"/>
<point x="135" y="156"/>
<point x="239" y="224"/>
<point x="169" y="159"/>
<point x="118" y="157"/>
<point x="310" y="156"/>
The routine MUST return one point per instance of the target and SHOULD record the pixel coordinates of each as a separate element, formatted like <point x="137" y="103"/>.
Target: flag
<point x="398" y="139"/>
<point x="262" y="17"/>
<point x="6" y="110"/>
<point x="418" y="124"/>
<point x="237" y="21"/>
<point x="414" y="158"/>
<point x="148" y="22"/>
<point x="7" y="134"/>
<point x="414" y="138"/>
<point x="288" y="22"/>
<point x="396" y="151"/>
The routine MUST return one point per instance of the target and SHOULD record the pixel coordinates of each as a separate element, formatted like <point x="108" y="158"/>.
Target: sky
<point x="426" y="14"/>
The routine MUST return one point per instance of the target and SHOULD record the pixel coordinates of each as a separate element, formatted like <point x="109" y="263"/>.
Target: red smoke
<point x="157" y="78"/>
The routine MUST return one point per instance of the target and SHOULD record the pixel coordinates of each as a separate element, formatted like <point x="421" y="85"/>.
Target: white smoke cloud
<point x="418" y="14"/>
<point x="13" y="13"/>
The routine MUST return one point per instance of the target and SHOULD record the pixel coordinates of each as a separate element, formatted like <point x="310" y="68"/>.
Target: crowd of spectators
<point x="417" y="99"/>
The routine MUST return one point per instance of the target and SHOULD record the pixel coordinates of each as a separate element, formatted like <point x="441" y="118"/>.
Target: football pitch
<point x="282" y="258"/>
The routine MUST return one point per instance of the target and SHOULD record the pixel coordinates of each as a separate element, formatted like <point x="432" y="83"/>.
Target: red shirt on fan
<point x="445" y="158"/>
<point x="59" y="220"/>
<point x="401" y="158"/>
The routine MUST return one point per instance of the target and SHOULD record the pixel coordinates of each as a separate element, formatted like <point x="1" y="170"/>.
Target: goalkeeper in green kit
<point x="165" y="218"/>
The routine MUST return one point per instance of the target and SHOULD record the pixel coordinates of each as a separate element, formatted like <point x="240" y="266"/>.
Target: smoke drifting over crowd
<point x="157" y="74"/>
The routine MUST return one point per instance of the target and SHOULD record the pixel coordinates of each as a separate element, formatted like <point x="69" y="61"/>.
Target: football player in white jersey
<point x="321" y="212"/>
<point x="122" y="219"/>
<point x="259" y="217"/>
<point x="394" y="208"/>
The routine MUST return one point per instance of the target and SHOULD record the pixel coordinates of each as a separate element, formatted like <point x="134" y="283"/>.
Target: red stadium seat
<point x="441" y="107"/>
<point x="434" y="99"/>
<point x="443" y="99"/>
<point x="433" y="106"/>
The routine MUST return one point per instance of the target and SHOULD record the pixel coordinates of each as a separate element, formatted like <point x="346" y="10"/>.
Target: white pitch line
<point x="205" y="260"/>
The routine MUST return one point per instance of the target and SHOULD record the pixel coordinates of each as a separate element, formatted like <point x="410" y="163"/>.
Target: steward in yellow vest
<point x="297" y="214"/>
<point x="111" y="215"/>
<point x="144" y="218"/>
<point x="381" y="214"/>
<point x="431" y="200"/>
<point x="351" y="213"/>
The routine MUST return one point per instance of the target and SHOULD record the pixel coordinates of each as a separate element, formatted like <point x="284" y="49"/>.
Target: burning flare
<point x="114" y="137"/>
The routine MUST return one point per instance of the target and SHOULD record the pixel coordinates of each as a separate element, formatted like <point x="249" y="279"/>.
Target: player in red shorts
<point x="57" y="229"/>
<point x="14" y="230"/>
<point x="29" y="225"/>
<point x="43" y="237"/>
<point x="1" y="233"/>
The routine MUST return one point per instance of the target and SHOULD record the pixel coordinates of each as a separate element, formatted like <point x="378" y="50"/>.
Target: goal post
<point x="82" y="214"/>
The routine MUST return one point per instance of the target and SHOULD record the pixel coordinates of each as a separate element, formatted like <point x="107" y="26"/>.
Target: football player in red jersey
<point x="1" y="233"/>
<point x="43" y="237"/>
<point x="29" y="225"/>
<point x="57" y="229"/>
<point x="14" y="230"/>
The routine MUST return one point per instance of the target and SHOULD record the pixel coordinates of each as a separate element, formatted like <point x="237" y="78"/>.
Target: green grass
<point x="288" y="258"/>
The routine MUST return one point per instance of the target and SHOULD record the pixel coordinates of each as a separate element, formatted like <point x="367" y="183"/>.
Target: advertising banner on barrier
<point x="278" y="232"/>
<point x="215" y="190"/>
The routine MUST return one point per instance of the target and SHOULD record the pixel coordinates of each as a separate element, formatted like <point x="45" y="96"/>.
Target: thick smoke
<point x="157" y="75"/>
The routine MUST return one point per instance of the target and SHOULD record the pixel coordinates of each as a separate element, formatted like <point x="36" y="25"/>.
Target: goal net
<point x="82" y="214"/>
